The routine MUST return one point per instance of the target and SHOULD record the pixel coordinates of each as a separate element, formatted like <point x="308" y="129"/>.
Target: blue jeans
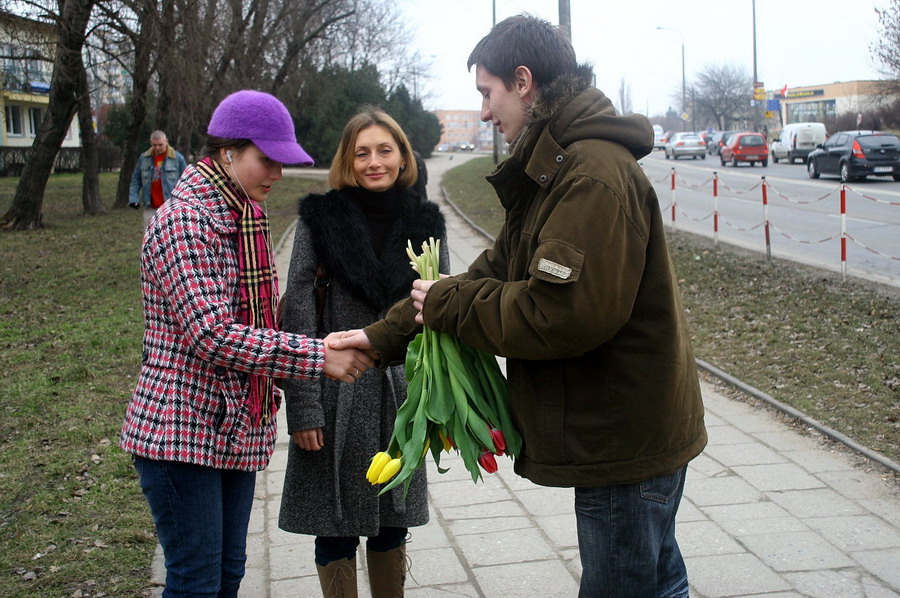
<point x="201" y="516"/>
<point x="330" y="549"/>
<point x="626" y="535"/>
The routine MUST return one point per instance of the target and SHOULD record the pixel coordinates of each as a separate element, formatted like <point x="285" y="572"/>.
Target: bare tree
<point x="26" y="209"/>
<point x="723" y="94"/>
<point x="887" y="49"/>
<point x="90" y="185"/>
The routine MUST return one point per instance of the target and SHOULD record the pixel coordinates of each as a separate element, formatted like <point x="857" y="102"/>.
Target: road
<point x="804" y="214"/>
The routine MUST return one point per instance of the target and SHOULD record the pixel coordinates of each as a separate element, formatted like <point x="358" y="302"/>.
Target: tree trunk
<point x="26" y="209"/>
<point x="90" y="188"/>
<point x="143" y="44"/>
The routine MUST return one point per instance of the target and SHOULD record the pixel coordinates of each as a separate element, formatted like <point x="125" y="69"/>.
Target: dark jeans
<point x="330" y="549"/>
<point x="626" y="535"/>
<point x="201" y="516"/>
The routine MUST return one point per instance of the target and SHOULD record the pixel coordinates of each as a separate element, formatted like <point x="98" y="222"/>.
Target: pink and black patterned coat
<point x="190" y="402"/>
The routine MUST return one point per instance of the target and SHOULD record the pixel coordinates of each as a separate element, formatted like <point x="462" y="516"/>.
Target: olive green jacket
<point x="579" y="294"/>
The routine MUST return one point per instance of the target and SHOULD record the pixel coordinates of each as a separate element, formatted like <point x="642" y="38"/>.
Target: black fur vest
<point x="340" y="237"/>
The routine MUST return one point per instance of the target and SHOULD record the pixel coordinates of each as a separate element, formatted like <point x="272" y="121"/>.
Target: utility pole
<point x="496" y="132"/>
<point x="565" y="18"/>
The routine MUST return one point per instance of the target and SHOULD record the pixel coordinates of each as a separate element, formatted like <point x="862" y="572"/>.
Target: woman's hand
<point x="309" y="440"/>
<point x="345" y="364"/>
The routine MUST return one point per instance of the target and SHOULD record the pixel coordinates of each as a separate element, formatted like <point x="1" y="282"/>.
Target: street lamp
<point x="683" y="86"/>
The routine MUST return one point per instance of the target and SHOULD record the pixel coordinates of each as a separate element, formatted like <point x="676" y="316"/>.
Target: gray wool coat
<point x="326" y="492"/>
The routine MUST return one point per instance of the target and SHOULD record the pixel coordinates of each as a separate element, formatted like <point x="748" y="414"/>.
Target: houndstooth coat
<point x="326" y="492"/>
<point x="190" y="402"/>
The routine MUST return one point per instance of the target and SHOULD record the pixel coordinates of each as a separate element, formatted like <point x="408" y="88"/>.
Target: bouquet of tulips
<point x="457" y="399"/>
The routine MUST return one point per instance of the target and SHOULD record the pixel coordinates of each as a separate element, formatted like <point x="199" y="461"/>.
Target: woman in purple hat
<point x="201" y="421"/>
<point x="351" y="244"/>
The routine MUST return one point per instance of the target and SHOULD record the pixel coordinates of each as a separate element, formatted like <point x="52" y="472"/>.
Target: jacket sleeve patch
<point x="555" y="261"/>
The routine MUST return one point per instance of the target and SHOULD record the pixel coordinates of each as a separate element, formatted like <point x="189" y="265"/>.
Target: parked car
<point x="745" y="147"/>
<point x="856" y="154"/>
<point x="685" y="144"/>
<point x="797" y="140"/>
<point x="659" y="141"/>
<point x="718" y="140"/>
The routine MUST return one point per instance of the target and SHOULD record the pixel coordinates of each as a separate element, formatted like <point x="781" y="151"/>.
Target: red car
<point x="745" y="147"/>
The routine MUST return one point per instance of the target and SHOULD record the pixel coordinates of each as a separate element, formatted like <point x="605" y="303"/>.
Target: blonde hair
<point x="341" y="174"/>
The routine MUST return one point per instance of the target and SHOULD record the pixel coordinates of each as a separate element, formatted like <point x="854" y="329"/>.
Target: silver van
<point x="796" y="141"/>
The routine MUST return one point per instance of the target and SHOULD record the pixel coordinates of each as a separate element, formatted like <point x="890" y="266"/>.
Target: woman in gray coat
<point x="349" y="265"/>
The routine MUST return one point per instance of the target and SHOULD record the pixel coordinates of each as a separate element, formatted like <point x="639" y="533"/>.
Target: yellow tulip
<point x="446" y="442"/>
<point x="389" y="470"/>
<point x="378" y="462"/>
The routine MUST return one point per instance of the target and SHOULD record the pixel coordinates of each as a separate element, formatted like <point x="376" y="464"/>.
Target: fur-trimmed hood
<point x="341" y="239"/>
<point x="575" y="110"/>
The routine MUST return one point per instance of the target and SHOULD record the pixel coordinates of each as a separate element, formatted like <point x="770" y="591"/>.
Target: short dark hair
<point x="524" y="40"/>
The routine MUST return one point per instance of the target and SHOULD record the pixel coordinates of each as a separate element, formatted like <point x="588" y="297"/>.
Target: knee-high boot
<point x="387" y="572"/>
<point x="338" y="578"/>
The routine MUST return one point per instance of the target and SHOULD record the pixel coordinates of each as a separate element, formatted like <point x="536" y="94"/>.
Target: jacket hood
<point x="574" y="110"/>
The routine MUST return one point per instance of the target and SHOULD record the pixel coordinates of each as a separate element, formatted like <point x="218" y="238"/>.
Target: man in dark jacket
<point x="578" y="293"/>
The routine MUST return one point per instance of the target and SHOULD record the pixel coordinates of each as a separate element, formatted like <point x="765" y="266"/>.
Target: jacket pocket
<point x="537" y="393"/>
<point x="557" y="262"/>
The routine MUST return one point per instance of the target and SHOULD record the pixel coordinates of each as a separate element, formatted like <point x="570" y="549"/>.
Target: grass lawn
<point x="827" y="348"/>
<point x="72" y="517"/>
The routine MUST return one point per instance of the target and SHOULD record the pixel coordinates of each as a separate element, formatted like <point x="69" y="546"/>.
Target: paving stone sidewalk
<point x="768" y="511"/>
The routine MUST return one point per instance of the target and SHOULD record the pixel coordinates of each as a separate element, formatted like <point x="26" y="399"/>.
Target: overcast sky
<point x="799" y="42"/>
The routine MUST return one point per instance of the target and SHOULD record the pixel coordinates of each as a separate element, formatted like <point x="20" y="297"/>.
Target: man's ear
<point x="524" y="83"/>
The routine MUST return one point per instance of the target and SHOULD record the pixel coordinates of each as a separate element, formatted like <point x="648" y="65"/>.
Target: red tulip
<point x="499" y="441"/>
<point x="487" y="461"/>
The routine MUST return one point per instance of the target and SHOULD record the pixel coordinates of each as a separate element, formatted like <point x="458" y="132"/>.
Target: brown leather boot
<point x="387" y="572"/>
<point x="338" y="579"/>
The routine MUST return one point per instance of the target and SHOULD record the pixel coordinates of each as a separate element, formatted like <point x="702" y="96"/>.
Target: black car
<point x="856" y="155"/>
<point x="718" y="139"/>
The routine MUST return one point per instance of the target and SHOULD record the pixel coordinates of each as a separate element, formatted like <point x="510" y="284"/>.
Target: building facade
<point x="464" y="130"/>
<point x="26" y="48"/>
<point x="824" y="103"/>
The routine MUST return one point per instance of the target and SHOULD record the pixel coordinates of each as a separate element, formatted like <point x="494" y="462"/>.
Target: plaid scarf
<point x="258" y="282"/>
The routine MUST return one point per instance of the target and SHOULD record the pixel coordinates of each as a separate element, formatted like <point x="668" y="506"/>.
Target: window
<point x="35" y="115"/>
<point x="13" y="116"/>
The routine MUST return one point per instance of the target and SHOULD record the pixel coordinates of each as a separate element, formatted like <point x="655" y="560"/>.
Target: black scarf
<point x="342" y="230"/>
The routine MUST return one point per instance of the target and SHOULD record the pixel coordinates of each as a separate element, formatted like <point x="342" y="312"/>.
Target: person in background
<point x="351" y="244"/>
<point x="579" y="294"/>
<point x="155" y="175"/>
<point x="201" y="421"/>
<point x="421" y="185"/>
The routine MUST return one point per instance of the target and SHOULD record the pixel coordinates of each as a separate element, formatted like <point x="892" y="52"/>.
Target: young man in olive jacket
<point x="578" y="293"/>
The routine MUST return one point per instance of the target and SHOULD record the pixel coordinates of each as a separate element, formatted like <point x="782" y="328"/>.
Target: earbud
<point x="228" y="155"/>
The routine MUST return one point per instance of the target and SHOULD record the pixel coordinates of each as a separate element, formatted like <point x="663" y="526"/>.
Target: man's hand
<point x="418" y="293"/>
<point x="346" y="364"/>
<point x="309" y="440"/>
<point x="351" y="339"/>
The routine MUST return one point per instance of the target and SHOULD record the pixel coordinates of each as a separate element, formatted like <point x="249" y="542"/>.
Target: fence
<point x="12" y="159"/>
<point x="766" y="224"/>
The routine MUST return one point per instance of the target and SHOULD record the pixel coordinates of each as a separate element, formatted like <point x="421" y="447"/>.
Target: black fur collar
<point x="342" y="243"/>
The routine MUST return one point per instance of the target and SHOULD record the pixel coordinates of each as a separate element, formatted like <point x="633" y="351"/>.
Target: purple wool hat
<point x="262" y="119"/>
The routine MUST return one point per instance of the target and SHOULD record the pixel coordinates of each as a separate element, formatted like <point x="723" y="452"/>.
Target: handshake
<point x="348" y="354"/>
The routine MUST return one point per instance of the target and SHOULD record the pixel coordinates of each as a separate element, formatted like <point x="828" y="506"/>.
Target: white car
<point x="658" y="137"/>
<point x="685" y="144"/>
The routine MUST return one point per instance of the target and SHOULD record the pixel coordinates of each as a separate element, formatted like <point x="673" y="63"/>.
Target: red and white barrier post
<point x="843" y="232"/>
<point x="715" y="208"/>
<point x="765" y="199"/>
<point x="673" y="199"/>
